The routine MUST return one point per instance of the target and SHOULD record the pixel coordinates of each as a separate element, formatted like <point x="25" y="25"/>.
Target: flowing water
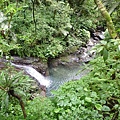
<point x="35" y="74"/>
<point x="58" y="75"/>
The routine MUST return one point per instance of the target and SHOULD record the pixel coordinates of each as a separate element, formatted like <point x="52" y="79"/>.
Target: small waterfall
<point x="35" y="74"/>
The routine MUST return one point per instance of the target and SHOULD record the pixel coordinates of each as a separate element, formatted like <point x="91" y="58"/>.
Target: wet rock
<point x="97" y="34"/>
<point x="83" y="54"/>
<point x="37" y="90"/>
<point x="64" y="60"/>
<point x="101" y="36"/>
<point x="41" y="67"/>
<point x="26" y="60"/>
<point x="38" y="64"/>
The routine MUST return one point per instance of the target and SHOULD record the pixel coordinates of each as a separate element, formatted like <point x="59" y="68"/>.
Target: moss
<point x="65" y="59"/>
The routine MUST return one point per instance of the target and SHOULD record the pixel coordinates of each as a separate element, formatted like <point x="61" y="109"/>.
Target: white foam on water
<point x="34" y="73"/>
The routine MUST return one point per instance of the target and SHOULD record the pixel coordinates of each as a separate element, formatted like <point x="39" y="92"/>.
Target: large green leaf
<point x="98" y="107"/>
<point x="105" y="54"/>
<point x="105" y="108"/>
<point x="88" y="99"/>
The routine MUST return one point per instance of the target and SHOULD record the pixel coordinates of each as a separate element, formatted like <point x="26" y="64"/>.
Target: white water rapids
<point x="35" y="74"/>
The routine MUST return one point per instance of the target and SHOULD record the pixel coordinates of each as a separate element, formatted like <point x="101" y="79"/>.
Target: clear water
<point x="58" y="75"/>
<point x="62" y="74"/>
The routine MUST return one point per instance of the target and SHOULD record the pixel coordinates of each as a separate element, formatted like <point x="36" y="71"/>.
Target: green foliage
<point x="52" y="26"/>
<point x="87" y="99"/>
<point x="96" y="96"/>
<point x="37" y="109"/>
<point x="48" y="28"/>
<point x="7" y="37"/>
<point x="116" y="16"/>
<point x="45" y="111"/>
<point x="11" y="80"/>
<point x="6" y="47"/>
<point x="43" y="30"/>
<point x="86" y="16"/>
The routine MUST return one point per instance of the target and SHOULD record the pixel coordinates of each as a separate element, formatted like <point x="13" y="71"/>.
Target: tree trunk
<point x="107" y="17"/>
<point x="11" y="92"/>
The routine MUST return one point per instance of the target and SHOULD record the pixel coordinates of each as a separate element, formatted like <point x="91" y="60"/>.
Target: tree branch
<point x="33" y="5"/>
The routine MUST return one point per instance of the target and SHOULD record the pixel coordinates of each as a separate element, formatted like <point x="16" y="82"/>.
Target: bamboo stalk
<point x="107" y="17"/>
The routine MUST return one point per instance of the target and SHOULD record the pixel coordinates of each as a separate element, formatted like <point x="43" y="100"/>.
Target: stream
<point x="61" y="74"/>
<point x="57" y="77"/>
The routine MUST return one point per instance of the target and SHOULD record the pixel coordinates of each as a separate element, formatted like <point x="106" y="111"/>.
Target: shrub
<point x="97" y="95"/>
<point x="14" y="91"/>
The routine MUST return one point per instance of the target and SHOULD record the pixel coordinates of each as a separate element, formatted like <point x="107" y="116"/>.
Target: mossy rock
<point x="70" y="50"/>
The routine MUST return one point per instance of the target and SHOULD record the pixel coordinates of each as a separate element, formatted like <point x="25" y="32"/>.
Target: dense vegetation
<point x="46" y="29"/>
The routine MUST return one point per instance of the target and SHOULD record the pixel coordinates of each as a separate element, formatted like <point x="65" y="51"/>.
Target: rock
<point x="43" y="91"/>
<point x="43" y="94"/>
<point x="96" y="38"/>
<point x="38" y="64"/>
<point x="2" y="65"/>
<point x="97" y="34"/>
<point x="41" y="67"/>
<point x="64" y="60"/>
<point x="90" y="43"/>
<point x="70" y="50"/>
<point x="102" y="36"/>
